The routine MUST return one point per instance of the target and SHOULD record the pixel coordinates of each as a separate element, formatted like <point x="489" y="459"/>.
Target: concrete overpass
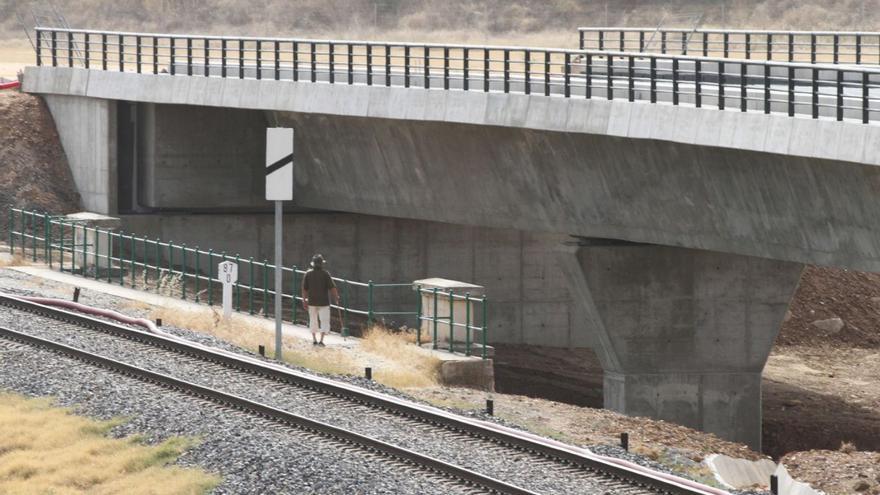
<point x="683" y="194"/>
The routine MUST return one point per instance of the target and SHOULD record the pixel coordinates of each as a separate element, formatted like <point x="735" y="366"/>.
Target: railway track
<point x="435" y="441"/>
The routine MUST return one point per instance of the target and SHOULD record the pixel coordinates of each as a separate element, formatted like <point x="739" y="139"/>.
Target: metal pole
<point x="278" y="275"/>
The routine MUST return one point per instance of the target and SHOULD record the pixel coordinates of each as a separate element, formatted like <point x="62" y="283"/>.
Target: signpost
<point x="279" y="188"/>
<point x="228" y="273"/>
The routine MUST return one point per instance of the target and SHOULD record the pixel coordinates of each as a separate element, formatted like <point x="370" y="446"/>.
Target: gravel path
<point x="522" y="469"/>
<point x="252" y="455"/>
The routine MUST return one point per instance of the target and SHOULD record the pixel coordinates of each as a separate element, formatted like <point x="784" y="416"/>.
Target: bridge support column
<point x="682" y="334"/>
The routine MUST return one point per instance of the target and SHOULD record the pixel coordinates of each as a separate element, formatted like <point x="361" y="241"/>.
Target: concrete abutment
<point x="682" y="334"/>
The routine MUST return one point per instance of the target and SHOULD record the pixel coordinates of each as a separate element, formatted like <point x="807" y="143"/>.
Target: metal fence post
<point x="451" y="323"/>
<point x="183" y="272"/>
<point x="434" y="317"/>
<point x="251" y="286"/>
<point x="47" y="242"/>
<point x="61" y="243"/>
<point x="345" y="308"/>
<point x="10" y="220"/>
<point x="237" y="282"/>
<point x="266" y="288"/>
<point x="419" y="316"/>
<point x="815" y="95"/>
<point x="467" y="324"/>
<point x="293" y="290"/>
<point x="132" y="264"/>
<point x="197" y="274"/>
<point x="210" y="282"/>
<point x="370" y="303"/>
<point x="485" y="328"/>
<point x="34" y="235"/>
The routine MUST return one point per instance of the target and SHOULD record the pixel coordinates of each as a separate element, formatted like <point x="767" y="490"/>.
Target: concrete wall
<point x="747" y="183"/>
<point x="204" y="157"/>
<point x="87" y="128"/>
<point x="529" y="301"/>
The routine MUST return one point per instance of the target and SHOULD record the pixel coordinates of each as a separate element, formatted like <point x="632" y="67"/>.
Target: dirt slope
<point x="33" y="169"/>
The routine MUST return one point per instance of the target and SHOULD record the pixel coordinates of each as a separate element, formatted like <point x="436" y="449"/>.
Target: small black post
<point x="76" y="294"/>
<point x="158" y="322"/>
<point x="262" y="350"/>
<point x="624" y="441"/>
<point x="490" y="407"/>
<point x="774" y="484"/>
<point x="368" y="373"/>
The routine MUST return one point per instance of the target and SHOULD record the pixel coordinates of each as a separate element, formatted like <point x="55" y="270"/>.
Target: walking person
<point x="318" y="289"/>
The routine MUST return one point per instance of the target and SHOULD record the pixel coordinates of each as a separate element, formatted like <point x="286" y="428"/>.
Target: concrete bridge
<point x="678" y="197"/>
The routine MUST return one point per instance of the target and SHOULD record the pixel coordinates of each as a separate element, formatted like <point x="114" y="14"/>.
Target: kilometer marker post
<point x="279" y="188"/>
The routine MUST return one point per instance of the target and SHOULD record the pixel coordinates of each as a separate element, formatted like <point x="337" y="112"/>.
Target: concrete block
<point x="557" y="113"/>
<point x="578" y="115"/>
<point x="619" y="118"/>
<point x="465" y="107"/>
<point x="709" y="128"/>
<point x="729" y="121"/>
<point x="249" y="92"/>
<point x="231" y="94"/>
<point x="872" y="145"/>
<point x="685" y="126"/>
<point x="750" y="132"/>
<point x="804" y="137"/>
<point x="180" y="93"/>
<point x="79" y="82"/>
<point x="850" y="142"/>
<point x="536" y="115"/>
<point x="506" y="110"/>
<point x="198" y="89"/>
<point x="435" y="109"/>
<point x="778" y="131"/>
<point x="214" y="87"/>
<point x="829" y="132"/>
<point x="385" y="103"/>
<point x="417" y="101"/>
<point x="471" y="373"/>
<point x="643" y="118"/>
<point x="600" y="115"/>
<point x="267" y="94"/>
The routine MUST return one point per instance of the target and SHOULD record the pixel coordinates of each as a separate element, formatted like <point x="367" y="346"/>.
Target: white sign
<point x="227" y="272"/>
<point x="279" y="164"/>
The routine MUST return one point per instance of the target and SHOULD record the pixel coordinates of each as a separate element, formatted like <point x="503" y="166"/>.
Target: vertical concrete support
<point x="682" y="334"/>
<point x="87" y="128"/>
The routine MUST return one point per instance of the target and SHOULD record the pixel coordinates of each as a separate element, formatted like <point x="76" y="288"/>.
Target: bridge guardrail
<point x="190" y="273"/>
<point x="833" y="91"/>
<point x="833" y="47"/>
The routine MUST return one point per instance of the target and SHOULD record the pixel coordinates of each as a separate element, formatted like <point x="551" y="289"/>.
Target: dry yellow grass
<point x="402" y="364"/>
<point x="414" y="367"/>
<point x="44" y="449"/>
<point x="7" y="259"/>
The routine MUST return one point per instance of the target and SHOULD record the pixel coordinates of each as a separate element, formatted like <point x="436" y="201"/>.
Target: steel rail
<point x="495" y="433"/>
<point x="466" y="476"/>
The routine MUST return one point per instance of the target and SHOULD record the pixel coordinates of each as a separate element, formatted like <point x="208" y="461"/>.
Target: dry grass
<point x="397" y="363"/>
<point x="12" y="260"/>
<point x="415" y="367"/>
<point x="44" y="449"/>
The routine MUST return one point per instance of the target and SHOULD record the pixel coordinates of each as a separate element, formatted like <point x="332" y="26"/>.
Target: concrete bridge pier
<point x="682" y="334"/>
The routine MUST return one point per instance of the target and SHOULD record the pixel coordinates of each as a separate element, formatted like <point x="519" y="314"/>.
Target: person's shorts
<point x="319" y="319"/>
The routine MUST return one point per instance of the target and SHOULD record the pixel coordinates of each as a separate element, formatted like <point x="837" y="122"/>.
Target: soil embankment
<point x="33" y="168"/>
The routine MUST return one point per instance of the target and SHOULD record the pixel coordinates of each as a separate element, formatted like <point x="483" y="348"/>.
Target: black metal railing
<point x="814" y="90"/>
<point x="827" y="47"/>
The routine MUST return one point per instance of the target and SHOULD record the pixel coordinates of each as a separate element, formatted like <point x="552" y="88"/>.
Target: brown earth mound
<point x="33" y="169"/>
<point x="826" y="294"/>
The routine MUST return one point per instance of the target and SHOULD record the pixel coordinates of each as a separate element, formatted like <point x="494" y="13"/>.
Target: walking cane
<point x="342" y="329"/>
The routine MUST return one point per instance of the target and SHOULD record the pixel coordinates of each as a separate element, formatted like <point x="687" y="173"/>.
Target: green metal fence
<point x="189" y="272"/>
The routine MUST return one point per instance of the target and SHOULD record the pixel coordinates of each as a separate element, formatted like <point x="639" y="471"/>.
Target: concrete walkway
<point x="153" y="299"/>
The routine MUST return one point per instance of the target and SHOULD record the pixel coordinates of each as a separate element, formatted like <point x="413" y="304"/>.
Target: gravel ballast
<point x="252" y="455"/>
<point x="521" y="469"/>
